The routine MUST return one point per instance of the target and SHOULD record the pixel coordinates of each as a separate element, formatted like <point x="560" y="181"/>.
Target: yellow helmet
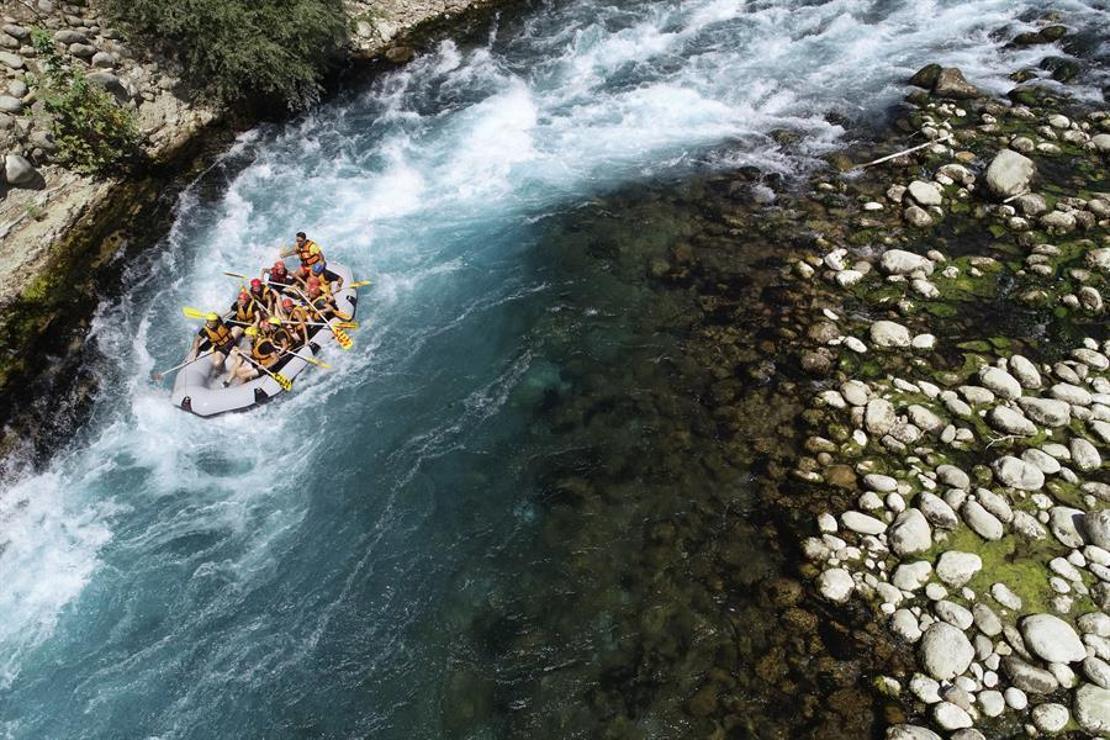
<point x="212" y="316"/>
<point x="250" y="331"/>
<point x="276" y="321"/>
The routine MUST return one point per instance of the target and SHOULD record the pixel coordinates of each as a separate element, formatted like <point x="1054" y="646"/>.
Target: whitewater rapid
<point x="164" y="573"/>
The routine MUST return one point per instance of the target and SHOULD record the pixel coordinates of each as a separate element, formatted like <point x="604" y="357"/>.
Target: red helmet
<point x="256" y="283"/>
<point x="287" y="303"/>
<point x="244" y="295"/>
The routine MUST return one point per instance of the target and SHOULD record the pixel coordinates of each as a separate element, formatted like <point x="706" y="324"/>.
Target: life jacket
<point x="307" y="255"/>
<point x="264" y="297"/>
<point x="245" y="313"/>
<point x="219" y="337"/>
<point x="263" y="358"/>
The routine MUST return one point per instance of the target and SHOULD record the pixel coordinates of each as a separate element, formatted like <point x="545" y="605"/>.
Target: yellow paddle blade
<point x="284" y="382"/>
<point x="343" y="338"/>
<point x="347" y="324"/>
<point x="193" y="313"/>
<point x="236" y="275"/>
<point x="317" y="363"/>
<point x="358" y="284"/>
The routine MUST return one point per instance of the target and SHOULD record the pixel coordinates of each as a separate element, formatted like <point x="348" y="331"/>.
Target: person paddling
<point x="297" y="318"/>
<point x="219" y="337"/>
<point x="265" y="350"/>
<point x="277" y="276"/>
<point x="264" y="296"/>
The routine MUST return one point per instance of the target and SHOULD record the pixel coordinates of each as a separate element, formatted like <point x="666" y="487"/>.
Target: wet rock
<point x="1084" y="454"/>
<point x="937" y="511"/>
<point x="1027" y="677"/>
<point x="879" y="417"/>
<point x="855" y="392"/>
<point x="1050" y="718"/>
<point x="950" y="717"/>
<point x="912" y="576"/>
<point x="1000" y="382"/>
<point x="1010" y="174"/>
<point x="880" y="483"/>
<point x="1010" y="421"/>
<point x="945" y="651"/>
<point x="1073" y="394"/>
<point x="981" y="521"/>
<point x="910" y="732"/>
<point x="1025" y="525"/>
<point x="917" y="217"/>
<point x="10" y="104"/>
<point x="925" y="193"/>
<point x="836" y="585"/>
<point x="901" y="262"/>
<point x="954" y="614"/>
<point x="862" y="523"/>
<point x="957" y="568"/>
<point x="995" y="504"/>
<point x="904" y="624"/>
<point x="986" y="620"/>
<point x="1096" y="528"/>
<point x="1048" y="411"/>
<point x="950" y="83"/>
<point x="991" y="703"/>
<point x="925" y="419"/>
<point x="1097" y="670"/>
<point x="1092" y="709"/>
<point x="1052" y="639"/>
<point x="1063" y="523"/>
<point x="910" y="533"/>
<point x="68" y="37"/>
<point x="926" y="77"/>
<point x="1044" y="462"/>
<point x="889" y="334"/>
<point x="953" y="477"/>
<point x="1015" y="473"/>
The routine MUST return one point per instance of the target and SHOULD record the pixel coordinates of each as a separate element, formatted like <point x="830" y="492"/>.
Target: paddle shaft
<point x="162" y="374"/>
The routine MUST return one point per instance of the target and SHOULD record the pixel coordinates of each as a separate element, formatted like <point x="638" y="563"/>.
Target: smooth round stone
<point x="1052" y="639"/>
<point x="1050" y="718"/>
<point x="1016" y="698"/>
<point x="991" y="702"/>
<point x="945" y="651"/>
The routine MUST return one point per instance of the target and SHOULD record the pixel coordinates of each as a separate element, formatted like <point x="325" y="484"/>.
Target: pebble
<point x="957" y="568"/>
<point x="1050" y="718"/>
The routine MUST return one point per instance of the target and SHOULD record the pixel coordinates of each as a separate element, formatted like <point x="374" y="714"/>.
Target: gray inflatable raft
<point x="199" y="389"/>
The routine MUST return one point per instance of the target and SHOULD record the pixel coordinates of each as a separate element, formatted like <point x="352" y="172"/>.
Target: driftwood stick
<point x="912" y="149"/>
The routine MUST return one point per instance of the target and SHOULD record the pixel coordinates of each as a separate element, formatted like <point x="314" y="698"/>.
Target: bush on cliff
<point x="259" y="51"/>
<point x="93" y="133"/>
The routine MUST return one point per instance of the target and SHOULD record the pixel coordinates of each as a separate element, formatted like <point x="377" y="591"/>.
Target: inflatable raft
<point x="199" y="389"/>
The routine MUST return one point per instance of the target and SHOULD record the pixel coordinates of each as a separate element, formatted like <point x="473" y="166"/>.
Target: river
<point x="411" y="544"/>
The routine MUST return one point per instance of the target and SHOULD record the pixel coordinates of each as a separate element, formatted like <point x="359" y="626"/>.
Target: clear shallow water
<point x="377" y="552"/>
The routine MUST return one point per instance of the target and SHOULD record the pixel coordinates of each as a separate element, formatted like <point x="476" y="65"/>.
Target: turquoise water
<point x="444" y="535"/>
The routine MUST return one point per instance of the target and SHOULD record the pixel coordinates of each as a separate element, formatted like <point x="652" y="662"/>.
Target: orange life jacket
<point x="308" y="257"/>
<point x="265" y="359"/>
<point x="218" y="337"/>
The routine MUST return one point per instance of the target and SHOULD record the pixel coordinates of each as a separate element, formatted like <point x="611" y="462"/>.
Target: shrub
<point x="262" y="51"/>
<point x="92" y="131"/>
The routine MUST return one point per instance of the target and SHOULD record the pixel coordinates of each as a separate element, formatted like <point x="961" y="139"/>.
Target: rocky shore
<point x="63" y="234"/>
<point x="960" y="416"/>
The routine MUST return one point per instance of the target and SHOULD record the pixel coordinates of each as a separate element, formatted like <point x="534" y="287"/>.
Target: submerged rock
<point x="1092" y="709"/>
<point x="889" y="334"/>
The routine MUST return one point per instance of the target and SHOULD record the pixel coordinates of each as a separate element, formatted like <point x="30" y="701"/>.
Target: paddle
<point x="341" y="336"/>
<point x="310" y="360"/>
<point x="285" y="383"/>
<point x="197" y="313"/>
<point x="158" y="377"/>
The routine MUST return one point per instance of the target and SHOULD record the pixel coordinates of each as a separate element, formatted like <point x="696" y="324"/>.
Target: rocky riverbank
<point x="64" y="236"/>
<point x="960" y="413"/>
